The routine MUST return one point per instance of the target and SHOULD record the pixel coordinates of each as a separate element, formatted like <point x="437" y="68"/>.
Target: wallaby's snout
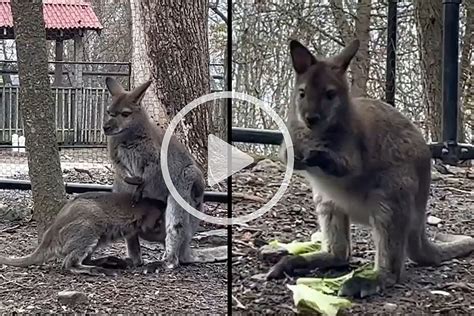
<point x="110" y="128"/>
<point x="312" y="119"/>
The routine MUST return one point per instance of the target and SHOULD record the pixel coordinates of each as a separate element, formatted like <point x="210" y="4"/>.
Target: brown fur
<point x="89" y="221"/>
<point x="367" y="164"/>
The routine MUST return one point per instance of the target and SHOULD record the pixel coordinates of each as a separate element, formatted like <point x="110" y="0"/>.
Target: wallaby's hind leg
<point x="73" y="262"/>
<point x="80" y="244"/>
<point x="336" y="245"/>
<point x="175" y="232"/>
<point x="390" y="231"/>
<point x="181" y="225"/>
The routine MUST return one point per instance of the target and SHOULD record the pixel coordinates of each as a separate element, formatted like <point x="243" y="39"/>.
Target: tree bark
<point x="429" y="28"/>
<point x="177" y="45"/>
<point x="141" y="66"/>
<point x="361" y="63"/>
<point x="465" y="83"/>
<point x="36" y="106"/>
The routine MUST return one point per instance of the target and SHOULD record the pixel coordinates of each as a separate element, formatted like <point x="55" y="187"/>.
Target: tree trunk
<point x="177" y="45"/>
<point x="429" y="29"/>
<point x="361" y="63"/>
<point x="465" y="83"/>
<point x="36" y="105"/>
<point x="141" y="66"/>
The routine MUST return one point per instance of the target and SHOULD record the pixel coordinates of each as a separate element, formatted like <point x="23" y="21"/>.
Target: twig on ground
<point x="108" y="168"/>
<point x="243" y="196"/>
<point x="80" y="170"/>
<point x="243" y="243"/>
<point x="9" y="229"/>
<point x="459" y="190"/>
<point x="238" y="303"/>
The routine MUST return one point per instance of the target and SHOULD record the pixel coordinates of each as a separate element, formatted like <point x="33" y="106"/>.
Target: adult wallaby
<point x="134" y="143"/>
<point x="367" y="164"/>
<point x="87" y="222"/>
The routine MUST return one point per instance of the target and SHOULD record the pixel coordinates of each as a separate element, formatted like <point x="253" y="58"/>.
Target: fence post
<point x="450" y="76"/>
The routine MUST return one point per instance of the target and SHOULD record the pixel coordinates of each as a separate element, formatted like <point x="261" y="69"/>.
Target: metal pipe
<point x="256" y="136"/>
<point x="11" y="184"/>
<point x="450" y="70"/>
<point x="273" y="137"/>
<point x="390" y="72"/>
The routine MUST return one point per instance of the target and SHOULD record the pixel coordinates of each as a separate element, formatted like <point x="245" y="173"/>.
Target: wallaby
<point x="87" y="222"/>
<point x="367" y="164"/>
<point x="134" y="143"/>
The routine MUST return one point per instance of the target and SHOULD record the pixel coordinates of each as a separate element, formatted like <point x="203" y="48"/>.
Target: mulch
<point x="191" y="289"/>
<point x="294" y="218"/>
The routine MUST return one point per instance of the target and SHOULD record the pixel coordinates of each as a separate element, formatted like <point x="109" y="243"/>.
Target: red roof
<point x="58" y="15"/>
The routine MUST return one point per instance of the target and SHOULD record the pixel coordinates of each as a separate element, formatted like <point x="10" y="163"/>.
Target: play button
<point x="223" y="160"/>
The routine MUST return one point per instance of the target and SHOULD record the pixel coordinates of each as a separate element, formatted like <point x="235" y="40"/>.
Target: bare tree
<point x="176" y="34"/>
<point x="361" y="64"/>
<point x="429" y="26"/>
<point x="36" y="106"/>
<point x="466" y="122"/>
<point x="141" y="65"/>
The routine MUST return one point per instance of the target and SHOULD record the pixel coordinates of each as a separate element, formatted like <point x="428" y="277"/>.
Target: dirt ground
<point x="452" y="201"/>
<point x="193" y="289"/>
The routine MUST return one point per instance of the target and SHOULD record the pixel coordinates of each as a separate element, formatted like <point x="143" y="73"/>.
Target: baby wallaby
<point x="87" y="222"/>
<point x="367" y="164"/>
<point x="134" y="143"/>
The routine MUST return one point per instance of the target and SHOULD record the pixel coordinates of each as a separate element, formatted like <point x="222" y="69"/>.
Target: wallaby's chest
<point x="130" y="156"/>
<point x="357" y="202"/>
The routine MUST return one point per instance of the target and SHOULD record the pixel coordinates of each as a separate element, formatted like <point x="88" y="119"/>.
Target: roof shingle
<point x="58" y="15"/>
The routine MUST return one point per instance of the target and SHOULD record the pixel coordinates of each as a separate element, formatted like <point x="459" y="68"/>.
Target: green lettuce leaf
<point x="297" y="247"/>
<point x="309" y="299"/>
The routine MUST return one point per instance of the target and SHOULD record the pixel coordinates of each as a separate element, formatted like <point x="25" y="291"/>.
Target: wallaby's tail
<point x="41" y="254"/>
<point x="425" y="252"/>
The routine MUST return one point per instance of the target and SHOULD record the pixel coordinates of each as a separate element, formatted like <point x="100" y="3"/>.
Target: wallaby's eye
<point x="330" y="94"/>
<point x="301" y="93"/>
<point x="125" y="114"/>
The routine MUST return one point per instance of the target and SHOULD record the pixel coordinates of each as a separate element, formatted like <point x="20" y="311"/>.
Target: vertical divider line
<point x="228" y="87"/>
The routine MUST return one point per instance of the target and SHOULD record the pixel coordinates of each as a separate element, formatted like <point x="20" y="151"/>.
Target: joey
<point x="88" y="222"/>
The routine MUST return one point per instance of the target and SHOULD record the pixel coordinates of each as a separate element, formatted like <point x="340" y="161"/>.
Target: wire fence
<point x="79" y="108"/>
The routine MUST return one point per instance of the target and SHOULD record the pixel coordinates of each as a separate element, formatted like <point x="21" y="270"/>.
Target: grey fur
<point x="367" y="164"/>
<point x="87" y="222"/>
<point x="134" y="144"/>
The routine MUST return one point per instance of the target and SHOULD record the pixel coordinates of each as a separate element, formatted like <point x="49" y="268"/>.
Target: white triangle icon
<point x="223" y="160"/>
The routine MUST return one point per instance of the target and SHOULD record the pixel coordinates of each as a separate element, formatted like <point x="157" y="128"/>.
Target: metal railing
<point x="78" y="113"/>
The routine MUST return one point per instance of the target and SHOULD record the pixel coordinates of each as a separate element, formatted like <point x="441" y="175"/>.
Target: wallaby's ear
<point x="114" y="87"/>
<point x="343" y="59"/>
<point x="301" y="57"/>
<point x="137" y="94"/>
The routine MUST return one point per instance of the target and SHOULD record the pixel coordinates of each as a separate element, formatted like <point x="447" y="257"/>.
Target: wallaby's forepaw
<point x="137" y="196"/>
<point x="360" y="287"/>
<point x="322" y="159"/>
<point x="133" y="180"/>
